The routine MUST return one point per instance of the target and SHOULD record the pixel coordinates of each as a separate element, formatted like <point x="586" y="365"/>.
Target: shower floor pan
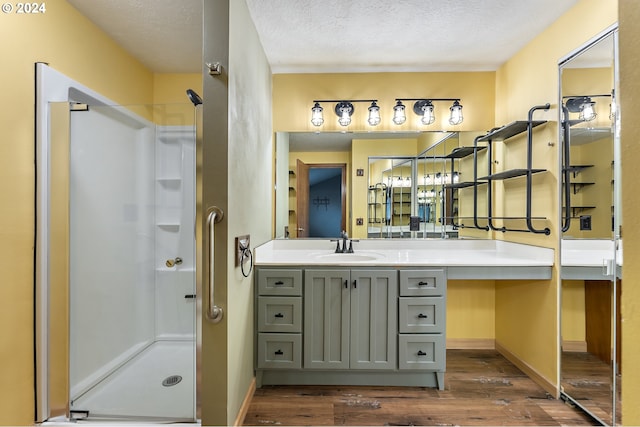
<point x="158" y="383"/>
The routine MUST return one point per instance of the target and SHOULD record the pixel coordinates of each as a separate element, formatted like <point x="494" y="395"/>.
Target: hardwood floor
<point x="588" y="380"/>
<point x="481" y="388"/>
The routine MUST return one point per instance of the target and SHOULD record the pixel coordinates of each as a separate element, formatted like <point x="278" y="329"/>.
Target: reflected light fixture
<point x="424" y="108"/>
<point x="583" y="105"/>
<point x="344" y="110"/>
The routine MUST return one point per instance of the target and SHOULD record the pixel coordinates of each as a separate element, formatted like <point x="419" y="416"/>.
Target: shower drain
<point x="172" y="380"/>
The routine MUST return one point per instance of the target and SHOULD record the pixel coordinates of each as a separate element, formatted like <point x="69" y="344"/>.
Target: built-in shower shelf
<point x="169" y="226"/>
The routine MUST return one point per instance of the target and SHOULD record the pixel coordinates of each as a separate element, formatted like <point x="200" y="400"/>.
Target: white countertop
<point x="590" y="259"/>
<point x="589" y="252"/>
<point x="403" y="253"/>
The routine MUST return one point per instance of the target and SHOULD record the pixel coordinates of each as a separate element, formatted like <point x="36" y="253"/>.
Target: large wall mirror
<point x="409" y="189"/>
<point x="591" y="249"/>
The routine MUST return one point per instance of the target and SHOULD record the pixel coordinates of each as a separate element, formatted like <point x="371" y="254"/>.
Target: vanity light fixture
<point x="424" y="108"/>
<point x="344" y="110"/>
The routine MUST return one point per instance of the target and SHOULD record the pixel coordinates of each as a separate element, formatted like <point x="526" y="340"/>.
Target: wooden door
<point x="302" y="199"/>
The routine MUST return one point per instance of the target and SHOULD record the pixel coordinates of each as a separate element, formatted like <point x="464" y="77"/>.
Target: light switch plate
<point x="242" y="242"/>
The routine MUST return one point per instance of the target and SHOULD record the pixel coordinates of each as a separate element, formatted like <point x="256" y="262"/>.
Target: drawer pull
<point x="422" y="316"/>
<point x="279" y="352"/>
<point x="279" y="315"/>
<point x="423" y="283"/>
<point x="421" y="353"/>
<point x="279" y="282"/>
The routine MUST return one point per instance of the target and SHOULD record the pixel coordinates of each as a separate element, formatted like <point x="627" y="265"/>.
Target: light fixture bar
<point x="344" y="110"/>
<point x="424" y="107"/>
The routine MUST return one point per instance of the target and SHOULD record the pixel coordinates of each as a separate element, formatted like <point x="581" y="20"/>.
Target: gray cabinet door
<point x="374" y="319"/>
<point x="326" y="319"/>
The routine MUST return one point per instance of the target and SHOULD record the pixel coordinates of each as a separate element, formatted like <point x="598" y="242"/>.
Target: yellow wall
<point x="471" y="310"/>
<point x="171" y="107"/>
<point x="630" y="129"/>
<point x="71" y="44"/>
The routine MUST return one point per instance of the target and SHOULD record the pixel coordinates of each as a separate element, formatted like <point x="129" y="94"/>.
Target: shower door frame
<point x="54" y="87"/>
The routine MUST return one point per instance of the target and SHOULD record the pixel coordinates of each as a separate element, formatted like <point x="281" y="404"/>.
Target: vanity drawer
<point x="421" y="352"/>
<point x="422" y="282"/>
<point x="422" y="315"/>
<point x="279" y="282"/>
<point x="279" y="314"/>
<point x="283" y="351"/>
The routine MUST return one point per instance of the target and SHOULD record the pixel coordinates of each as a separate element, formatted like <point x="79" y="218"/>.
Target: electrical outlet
<point x="359" y="221"/>
<point x="242" y="243"/>
<point x="585" y="222"/>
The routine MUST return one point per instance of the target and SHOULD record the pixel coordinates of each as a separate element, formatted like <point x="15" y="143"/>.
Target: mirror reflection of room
<point x="591" y="267"/>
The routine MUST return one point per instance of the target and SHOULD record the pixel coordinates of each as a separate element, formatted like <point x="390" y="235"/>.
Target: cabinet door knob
<point x="422" y="316"/>
<point x="346" y="284"/>
<point x="421" y="353"/>
<point x="279" y="352"/>
<point x="355" y="283"/>
<point x="280" y="315"/>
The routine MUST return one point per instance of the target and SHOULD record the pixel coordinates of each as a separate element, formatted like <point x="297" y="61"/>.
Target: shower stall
<point x="116" y="287"/>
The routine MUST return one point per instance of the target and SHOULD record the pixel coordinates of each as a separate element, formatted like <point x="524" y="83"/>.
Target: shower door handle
<point x="214" y="313"/>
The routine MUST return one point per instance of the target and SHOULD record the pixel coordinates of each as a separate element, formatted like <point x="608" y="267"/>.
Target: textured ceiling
<point x="336" y="36"/>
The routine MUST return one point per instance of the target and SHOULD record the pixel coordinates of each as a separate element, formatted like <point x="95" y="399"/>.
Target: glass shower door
<point x="131" y="287"/>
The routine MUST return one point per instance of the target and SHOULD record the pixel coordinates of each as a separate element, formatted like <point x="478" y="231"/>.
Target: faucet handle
<point x="337" y="244"/>
<point x="350" y="250"/>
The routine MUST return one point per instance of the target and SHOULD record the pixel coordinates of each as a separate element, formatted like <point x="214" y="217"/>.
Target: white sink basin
<point x="349" y="257"/>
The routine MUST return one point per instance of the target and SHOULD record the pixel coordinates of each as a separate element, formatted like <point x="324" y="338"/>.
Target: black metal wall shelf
<point x="512" y="129"/>
<point x="462" y="152"/>
<point x="576" y="169"/>
<point x="511" y="173"/>
<point x="503" y="134"/>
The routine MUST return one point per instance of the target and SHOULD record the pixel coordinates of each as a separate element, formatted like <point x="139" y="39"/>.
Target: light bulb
<point x="456" y="114"/>
<point x="399" y="116"/>
<point x="316" y="115"/>
<point x="374" y="114"/>
<point x="588" y="112"/>
<point x="345" y="118"/>
<point x="427" y="116"/>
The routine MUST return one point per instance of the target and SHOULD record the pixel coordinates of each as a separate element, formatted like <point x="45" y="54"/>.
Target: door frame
<point x="302" y="194"/>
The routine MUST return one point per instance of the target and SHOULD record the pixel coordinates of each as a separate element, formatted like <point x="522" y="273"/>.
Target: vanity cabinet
<point x="279" y="318"/>
<point x="350" y="319"/>
<point x="356" y="326"/>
